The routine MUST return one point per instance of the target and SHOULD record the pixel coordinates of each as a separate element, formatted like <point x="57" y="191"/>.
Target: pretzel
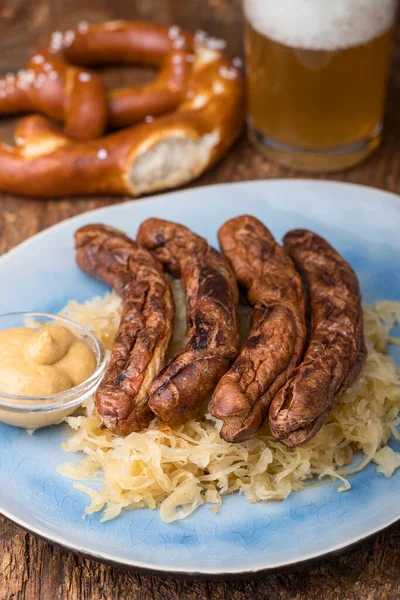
<point x="51" y="85"/>
<point x="168" y="151"/>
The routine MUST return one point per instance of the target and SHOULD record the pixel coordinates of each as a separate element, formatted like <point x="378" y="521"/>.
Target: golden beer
<point x="317" y="106"/>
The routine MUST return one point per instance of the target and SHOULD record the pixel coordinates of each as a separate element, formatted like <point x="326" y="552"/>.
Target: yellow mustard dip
<point x="41" y="362"/>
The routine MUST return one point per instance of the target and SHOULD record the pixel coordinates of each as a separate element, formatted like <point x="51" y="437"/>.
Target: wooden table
<point x="31" y="569"/>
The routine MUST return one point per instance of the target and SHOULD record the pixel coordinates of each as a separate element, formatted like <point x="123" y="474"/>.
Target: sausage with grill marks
<point x="213" y="334"/>
<point x="336" y="352"/>
<point x="275" y="343"/>
<point x="145" y="330"/>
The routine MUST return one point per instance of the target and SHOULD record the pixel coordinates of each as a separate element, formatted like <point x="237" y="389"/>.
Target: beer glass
<point x="316" y="78"/>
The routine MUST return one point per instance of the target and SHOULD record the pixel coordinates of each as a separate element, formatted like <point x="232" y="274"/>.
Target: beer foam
<point x="320" y="24"/>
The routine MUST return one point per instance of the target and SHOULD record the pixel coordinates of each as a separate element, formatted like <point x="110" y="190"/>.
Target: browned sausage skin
<point x="213" y="336"/>
<point x="336" y="351"/>
<point x="275" y="344"/>
<point x="146" y="326"/>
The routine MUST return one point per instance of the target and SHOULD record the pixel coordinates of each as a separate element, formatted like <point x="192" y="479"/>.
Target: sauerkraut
<point x="178" y="469"/>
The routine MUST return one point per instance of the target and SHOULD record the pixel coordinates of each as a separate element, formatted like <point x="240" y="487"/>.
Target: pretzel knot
<point x="52" y="86"/>
<point x="194" y="105"/>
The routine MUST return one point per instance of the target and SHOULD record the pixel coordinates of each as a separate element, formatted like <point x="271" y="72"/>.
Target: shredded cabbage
<point x="179" y="469"/>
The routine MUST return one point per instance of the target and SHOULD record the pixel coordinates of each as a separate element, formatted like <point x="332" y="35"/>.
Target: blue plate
<point x="363" y="224"/>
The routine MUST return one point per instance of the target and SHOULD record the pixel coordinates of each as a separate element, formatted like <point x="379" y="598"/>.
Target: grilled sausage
<point x="213" y="336"/>
<point x="275" y="343"/>
<point x="146" y="326"/>
<point x="336" y="351"/>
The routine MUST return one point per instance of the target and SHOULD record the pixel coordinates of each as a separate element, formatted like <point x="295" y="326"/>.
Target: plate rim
<point x="136" y="566"/>
<point x="211" y="573"/>
<point x="390" y="197"/>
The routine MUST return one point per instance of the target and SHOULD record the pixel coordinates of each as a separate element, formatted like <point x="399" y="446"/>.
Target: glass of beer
<point x="316" y="79"/>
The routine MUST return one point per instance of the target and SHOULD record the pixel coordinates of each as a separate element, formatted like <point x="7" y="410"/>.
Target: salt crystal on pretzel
<point x="215" y="43"/>
<point x="85" y="77"/>
<point x="228" y="73"/>
<point x="174" y="32"/>
<point x="237" y="62"/>
<point x="83" y="27"/>
<point x="179" y="43"/>
<point x="102" y="154"/>
<point x="69" y="37"/>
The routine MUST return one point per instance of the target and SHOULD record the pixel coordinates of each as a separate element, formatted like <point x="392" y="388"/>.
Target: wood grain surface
<point x="31" y="569"/>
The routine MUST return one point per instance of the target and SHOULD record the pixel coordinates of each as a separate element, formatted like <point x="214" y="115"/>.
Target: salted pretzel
<point x="52" y="84"/>
<point x="198" y="89"/>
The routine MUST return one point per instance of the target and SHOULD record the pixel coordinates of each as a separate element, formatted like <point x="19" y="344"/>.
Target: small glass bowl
<point x="32" y="412"/>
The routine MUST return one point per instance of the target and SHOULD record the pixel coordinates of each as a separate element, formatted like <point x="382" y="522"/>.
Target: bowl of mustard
<point x="49" y="365"/>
